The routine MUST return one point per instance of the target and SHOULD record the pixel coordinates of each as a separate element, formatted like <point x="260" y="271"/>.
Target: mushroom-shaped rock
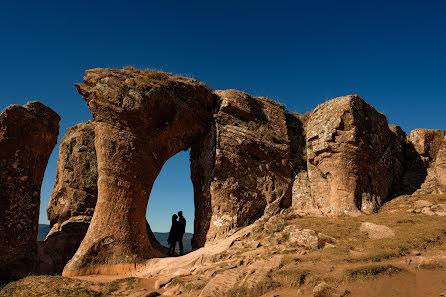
<point x="73" y="199"/>
<point x="28" y="135"/>
<point x="141" y="119"/>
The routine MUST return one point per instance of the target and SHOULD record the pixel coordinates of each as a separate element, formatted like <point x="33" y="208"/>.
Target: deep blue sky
<point x="301" y="53"/>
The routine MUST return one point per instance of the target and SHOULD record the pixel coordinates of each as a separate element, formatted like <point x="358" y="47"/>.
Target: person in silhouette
<point x="173" y="235"/>
<point x="181" y="230"/>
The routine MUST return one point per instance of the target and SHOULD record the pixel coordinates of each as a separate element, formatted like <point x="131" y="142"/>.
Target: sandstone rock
<point x="305" y="238"/>
<point x="325" y="240"/>
<point x="75" y="191"/>
<point x="427" y="211"/>
<point x="61" y="244"/>
<point x="323" y="290"/>
<point x="73" y="199"/>
<point x="173" y="291"/>
<point x="431" y="146"/>
<point x="162" y="281"/>
<point x="422" y="204"/>
<point x="250" y="279"/>
<point x="440" y="207"/>
<point x="375" y="231"/>
<point x="28" y="135"/>
<point x="350" y="158"/>
<point x="241" y="168"/>
<point x="141" y="119"/>
<point x="422" y="262"/>
<point x="274" y="224"/>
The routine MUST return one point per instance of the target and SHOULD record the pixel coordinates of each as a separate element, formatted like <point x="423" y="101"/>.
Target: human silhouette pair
<point x="176" y="233"/>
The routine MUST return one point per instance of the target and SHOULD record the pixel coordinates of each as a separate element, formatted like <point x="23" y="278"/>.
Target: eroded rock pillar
<point x="141" y="118"/>
<point x="28" y="135"/>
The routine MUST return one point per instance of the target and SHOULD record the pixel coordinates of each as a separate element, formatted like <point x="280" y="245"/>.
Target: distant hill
<point x="160" y="236"/>
<point x="43" y="231"/>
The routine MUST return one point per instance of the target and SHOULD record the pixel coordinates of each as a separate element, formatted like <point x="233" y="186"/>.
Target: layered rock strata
<point x="431" y="147"/>
<point x="28" y="135"/>
<point x="141" y="119"/>
<point x="350" y="153"/>
<point x="241" y="168"/>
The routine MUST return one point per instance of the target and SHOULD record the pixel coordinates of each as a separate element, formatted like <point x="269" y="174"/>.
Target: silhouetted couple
<point x="176" y="233"/>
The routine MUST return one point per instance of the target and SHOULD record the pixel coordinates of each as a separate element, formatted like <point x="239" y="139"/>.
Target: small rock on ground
<point x="375" y="231"/>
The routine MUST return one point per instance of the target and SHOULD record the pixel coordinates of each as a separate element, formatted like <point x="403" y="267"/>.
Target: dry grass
<point x="369" y="272"/>
<point x="413" y="232"/>
<point x="143" y="78"/>
<point x="58" y="286"/>
<point x="291" y="277"/>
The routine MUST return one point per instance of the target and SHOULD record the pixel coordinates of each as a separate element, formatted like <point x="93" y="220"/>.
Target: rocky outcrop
<point x="73" y="198"/>
<point x="28" y="135"/>
<point x="141" y="119"/>
<point x="241" y="168"/>
<point x="431" y="147"/>
<point x="75" y="191"/>
<point x="350" y="154"/>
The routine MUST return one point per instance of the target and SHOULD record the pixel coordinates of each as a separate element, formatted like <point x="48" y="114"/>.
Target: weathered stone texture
<point x="141" y="119"/>
<point x="73" y="199"/>
<point x="431" y="146"/>
<point x="75" y="191"/>
<point x="28" y="135"/>
<point x="241" y="169"/>
<point x="350" y="159"/>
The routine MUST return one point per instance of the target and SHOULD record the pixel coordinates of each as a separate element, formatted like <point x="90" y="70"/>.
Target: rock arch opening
<point x="141" y="119"/>
<point x="172" y="191"/>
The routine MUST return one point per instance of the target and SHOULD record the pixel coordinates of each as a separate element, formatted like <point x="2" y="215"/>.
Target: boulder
<point x="422" y="204"/>
<point x="305" y="238"/>
<point x="274" y="224"/>
<point x="141" y="119"/>
<point x="350" y="158"/>
<point x="375" y="231"/>
<point x="241" y="169"/>
<point x="324" y="290"/>
<point x="28" y="135"/>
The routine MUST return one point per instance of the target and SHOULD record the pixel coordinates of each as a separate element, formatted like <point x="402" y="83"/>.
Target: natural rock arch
<point x="141" y="118"/>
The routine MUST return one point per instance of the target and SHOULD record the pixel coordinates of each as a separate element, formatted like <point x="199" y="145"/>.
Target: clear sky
<point x="301" y="53"/>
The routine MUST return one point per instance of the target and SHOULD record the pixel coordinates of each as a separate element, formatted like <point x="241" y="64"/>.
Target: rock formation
<point x="431" y="147"/>
<point x="241" y="167"/>
<point x="141" y="119"/>
<point x="28" y="135"/>
<point x="350" y="159"/>
<point x="249" y="159"/>
<point x="73" y="198"/>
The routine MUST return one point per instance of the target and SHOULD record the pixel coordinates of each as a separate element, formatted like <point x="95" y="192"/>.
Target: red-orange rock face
<point x="73" y="199"/>
<point x="28" y="135"/>
<point x="241" y="168"/>
<point x="141" y="119"/>
<point x="350" y="159"/>
<point x="431" y="146"/>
